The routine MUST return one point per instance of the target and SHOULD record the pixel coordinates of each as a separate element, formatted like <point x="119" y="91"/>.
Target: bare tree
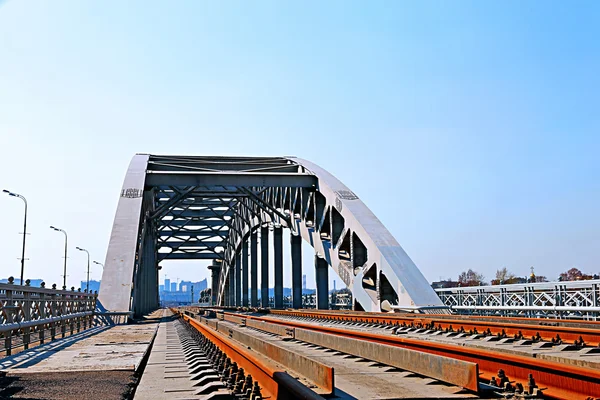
<point x="471" y="278"/>
<point x="503" y="275"/>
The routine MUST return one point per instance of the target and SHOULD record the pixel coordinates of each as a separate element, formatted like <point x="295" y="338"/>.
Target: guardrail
<point x="569" y="300"/>
<point x="28" y="313"/>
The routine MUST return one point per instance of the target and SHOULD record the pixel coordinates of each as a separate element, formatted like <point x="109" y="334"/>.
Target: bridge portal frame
<point x="181" y="207"/>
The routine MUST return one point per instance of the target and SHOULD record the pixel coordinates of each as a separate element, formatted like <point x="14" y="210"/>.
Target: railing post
<point x="63" y="305"/>
<point x="26" y="318"/>
<point x="42" y="309"/>
<point x="9" y="319"/>
<point x="53" y="313"/>
<point x="71" y="309"/>
<point x="77" y="307"/>
<point x="595" y="300"/>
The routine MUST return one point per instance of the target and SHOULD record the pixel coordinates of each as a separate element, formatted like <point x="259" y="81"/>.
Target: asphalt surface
<point x="109" y="385"/>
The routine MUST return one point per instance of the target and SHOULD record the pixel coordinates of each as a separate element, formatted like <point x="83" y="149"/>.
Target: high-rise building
<point x="303" y="281"/>
<point x="161" y="288"/>
<point x="167" y="284"/>
<point x="173" y="286"/>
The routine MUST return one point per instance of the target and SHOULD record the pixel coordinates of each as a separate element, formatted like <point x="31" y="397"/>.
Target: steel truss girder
<point x="210" y="205"/>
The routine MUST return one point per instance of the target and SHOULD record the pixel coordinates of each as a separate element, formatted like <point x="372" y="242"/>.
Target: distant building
<point x="94" y="286"/>
<point x="303" y="281"/>
<point x="183" y="295"/>
<point x="167" y="284"/>
<point x="161" y="288"/>
<point x="444" y="284"/>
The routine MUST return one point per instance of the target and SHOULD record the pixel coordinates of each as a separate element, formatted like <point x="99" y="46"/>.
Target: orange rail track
<point x="562" y="381"/>
<point x="568" y="331"/>
<point x="275" y="384"/>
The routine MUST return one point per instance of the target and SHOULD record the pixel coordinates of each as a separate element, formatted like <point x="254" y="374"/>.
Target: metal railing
<point x="564" y="300"/>
<point x="28" y="315"/>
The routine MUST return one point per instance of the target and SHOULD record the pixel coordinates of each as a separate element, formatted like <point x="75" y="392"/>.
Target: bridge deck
<point x="105" y="358"/>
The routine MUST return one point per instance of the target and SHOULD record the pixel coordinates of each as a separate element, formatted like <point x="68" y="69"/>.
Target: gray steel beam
<point x="254" y="269"/>
<point x="322" y="278"/>
<point x="264" y="266"/>
<point x="209" y="212"/>
<point x="200" y="167"/>
<point x="231" y="289"/>
<point x="238" y="279"/>
<point x="278" y="264"/>
<point x="215" y="270"/>
<point x="189" y="256"/>
<point x="231" y="179"/>
<point x="296" y="252"/>
<point x="184" y="233"/>
<point x="245" y="273"/>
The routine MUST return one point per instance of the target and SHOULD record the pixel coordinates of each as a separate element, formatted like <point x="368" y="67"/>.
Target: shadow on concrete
<point x="27" y="358"/>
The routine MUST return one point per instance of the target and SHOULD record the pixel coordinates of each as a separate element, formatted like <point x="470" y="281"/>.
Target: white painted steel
<point x="117" y="275"/>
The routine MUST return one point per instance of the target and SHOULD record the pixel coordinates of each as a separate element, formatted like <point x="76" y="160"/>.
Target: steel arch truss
<point x="181" y="207"/>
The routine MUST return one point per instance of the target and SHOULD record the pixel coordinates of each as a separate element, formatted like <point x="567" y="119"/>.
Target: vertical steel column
<point x="278" y="261"/>
<point x="322" y="278"/>
<point x="238" y="279"/>
<point x="245" y="273"/>
<point x="231" y="280"/>
<point x="254" y="269"/>
<point x="296" y="251"/>
<point x="215" y="271"/>
<point x="264" y="267"/>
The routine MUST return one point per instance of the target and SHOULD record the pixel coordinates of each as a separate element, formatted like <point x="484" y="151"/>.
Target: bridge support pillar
<point x="245" y="273"/>
<point x="146" y="280"/>
<point x="296" y="252"/>
<point x="231" y="286"/>
<point x="278" y="261"/>
<point x="264" y="267"/>
<point x="254" y="269"/>
<point x="238" y="279"/>
<point x="322" y="279"/>
<point x="215" y="271"/>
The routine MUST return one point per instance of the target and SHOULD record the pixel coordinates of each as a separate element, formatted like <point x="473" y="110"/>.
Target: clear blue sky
<point x="471" y="129"/>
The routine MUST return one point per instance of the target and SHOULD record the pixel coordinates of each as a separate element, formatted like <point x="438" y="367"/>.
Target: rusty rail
<point x="561" y="381"/>
<point x="536" y="329"/>
<point x="275" y="383"/>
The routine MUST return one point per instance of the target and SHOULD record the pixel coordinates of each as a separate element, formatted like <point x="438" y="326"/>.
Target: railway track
<point x="555" y="331"/>
<point x="407" y="375"/>
<point x="484" y="342"/>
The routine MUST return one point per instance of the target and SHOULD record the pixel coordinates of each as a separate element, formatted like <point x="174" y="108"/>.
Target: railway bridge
<point x="400" y="339"/>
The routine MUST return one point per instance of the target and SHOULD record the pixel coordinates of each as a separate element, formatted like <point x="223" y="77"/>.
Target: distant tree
<point x="574" y="274"/>
<point x="541" y="278"/>
<point x="503" y="276"/>
<point x="470" y="278"/>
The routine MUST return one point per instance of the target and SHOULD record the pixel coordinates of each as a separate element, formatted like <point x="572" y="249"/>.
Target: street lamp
<point x="87" y="285"/>
<point x="65" y="271"/>
<point x="24" y="230"/>
<point x="99" y="263"/>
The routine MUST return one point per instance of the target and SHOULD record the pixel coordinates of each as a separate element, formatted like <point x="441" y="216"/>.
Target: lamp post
<point x="65" y="271"/>
<point x="24" y="230"/>
<point x="87" y="285"/>
<point x="99" y="263"/>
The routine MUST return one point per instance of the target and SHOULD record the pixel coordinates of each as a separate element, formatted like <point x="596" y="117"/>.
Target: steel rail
<point x="590" y="334"/>
<point x="275" y="383"/>
<point x="561" y="381"/>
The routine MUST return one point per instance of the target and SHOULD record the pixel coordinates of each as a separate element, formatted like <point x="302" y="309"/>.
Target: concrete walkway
<point x="99" y="363"/>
